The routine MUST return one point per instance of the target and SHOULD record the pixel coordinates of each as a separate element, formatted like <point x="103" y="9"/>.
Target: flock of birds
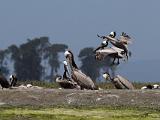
<point x="74" y="78"/>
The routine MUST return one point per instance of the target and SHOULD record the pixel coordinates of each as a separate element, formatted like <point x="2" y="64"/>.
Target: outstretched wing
<point x="106" y="51"/>
<point x="125" y="39"/>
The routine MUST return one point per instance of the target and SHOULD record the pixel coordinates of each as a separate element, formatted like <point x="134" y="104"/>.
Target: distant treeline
<point x="38" y="59"/>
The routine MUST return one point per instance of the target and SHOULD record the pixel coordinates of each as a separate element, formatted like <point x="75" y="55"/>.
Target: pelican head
<point x="66" y="53"/>
<point x="104" y="42"/>
<point x="11" y="77"/>
<point x="112" y="34"/>
<point x="58" y="78"/>
<point x="106" y="76"/>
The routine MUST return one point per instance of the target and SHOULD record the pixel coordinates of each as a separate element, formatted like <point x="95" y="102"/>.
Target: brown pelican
<point x="112" y="35"/>
<point x="119" y="81"/>
<point x="112" y="52"/>
<point x="102" y="46"/>
<point x="121" y="43"/>
<point x="84" y="81"/>
<point x="5" y="84"/>
<point x="65" y="81"/>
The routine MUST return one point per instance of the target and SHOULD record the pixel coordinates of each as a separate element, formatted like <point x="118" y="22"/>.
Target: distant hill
<point x="143" y="71"/>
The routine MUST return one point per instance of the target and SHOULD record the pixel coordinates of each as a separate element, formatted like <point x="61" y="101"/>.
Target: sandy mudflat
<point x="49" y="97"/>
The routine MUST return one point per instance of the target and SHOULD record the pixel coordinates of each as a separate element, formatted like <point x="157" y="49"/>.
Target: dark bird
<point x="5" y="84"/>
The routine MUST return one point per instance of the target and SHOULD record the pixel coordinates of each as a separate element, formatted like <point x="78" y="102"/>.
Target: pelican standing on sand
<point x="66" y="82"/>
<point x="119" y="81"/>
<point x="84" y="81"/>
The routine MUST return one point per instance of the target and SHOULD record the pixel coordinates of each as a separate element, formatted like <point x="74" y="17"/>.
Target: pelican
<point x="121" y="43"/>
<point x="102" y="46"/>
<point x="119" y="81"/>
<point x="84" y="81"/>
<point x="66" y="82"/>
<point x="13" y="80"/>
<point x="5" y="84"/>
<point x="112" y="52"/>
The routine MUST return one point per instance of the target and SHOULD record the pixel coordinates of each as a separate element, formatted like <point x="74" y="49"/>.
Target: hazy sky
<point x="76" y="23"/>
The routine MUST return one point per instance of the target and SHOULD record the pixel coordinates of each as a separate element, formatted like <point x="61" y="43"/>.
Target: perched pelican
<point x="66" y="82"/>
<point x="5" y="84"/>
<point x="13" y="80"/>
<point x="84" y="81"/>
<point x="118" y="81"/>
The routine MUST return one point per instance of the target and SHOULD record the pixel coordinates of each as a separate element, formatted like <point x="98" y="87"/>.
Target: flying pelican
<point x="66" y="82"/>
<point x="112" y="52"/>
<point x="5" y="84"/>
<point x="84" y="81"/>
<point x="102" y="46"/>
<point x="121" y="43"/>
<point x="119" y="81"/>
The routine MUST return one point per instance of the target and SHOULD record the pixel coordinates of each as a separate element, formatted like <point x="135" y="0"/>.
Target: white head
<point x="106" y="76"/>
<point x="65" y="63"/>
<point x="156" y="86"/>
<point x="58" y="78"/>
<point x="104" y="42"/>
<point x="66" y="53"/>
<point x="11" y="77"/>
<point x="112" y="34"/>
